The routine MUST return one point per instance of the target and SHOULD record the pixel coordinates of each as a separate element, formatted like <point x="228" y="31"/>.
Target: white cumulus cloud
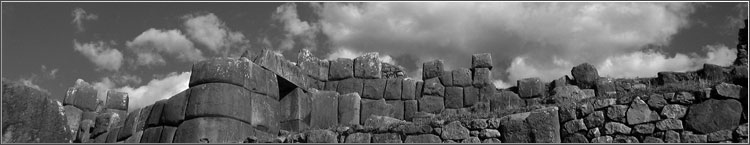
<point x="101" y="54"/>
<point x="210" y="31"/>
<point x="294" y="28"/>
<point x="79" y="16"/>
<point x="152" y="43"/>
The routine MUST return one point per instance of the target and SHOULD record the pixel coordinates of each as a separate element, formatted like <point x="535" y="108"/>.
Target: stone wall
<point x="92" y="120"/>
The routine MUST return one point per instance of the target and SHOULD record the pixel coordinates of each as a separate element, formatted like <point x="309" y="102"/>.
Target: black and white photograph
<point x="390" y="72"/>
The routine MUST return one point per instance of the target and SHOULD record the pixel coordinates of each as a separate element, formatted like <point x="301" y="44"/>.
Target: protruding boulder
<point x="585" y="75"/>
<point x="367" y="66"/>
<point x="714" y="115"/>
<point x="482" y="60"/>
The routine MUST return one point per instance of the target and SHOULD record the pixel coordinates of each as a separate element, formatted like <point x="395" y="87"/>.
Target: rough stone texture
<point x="585" y="75"/>
<point x="446" y="79"/>
<point x="174" y="109"/>
<point x="324" y="109"/>
<point x="646" y="128"/>
<point x="462" y="77"/>
<point x="225" y="70"/>
<point x="674" y="111"/>
<point x="454" y="97"/>
<point x="155" y="116"/>
<point x="341" y="68"/>
<point x="408" y="89"/>
<point x="419" y="89"/>
<point x="575" y="138"/>
<point x="594" y="119"/>
<point x="152" y="135"/>
<point x="477" y="124"/>
<point x="728" y="90"/>
<point x="367" y="66"/>
<point x="112" y="135"/>
<point x="386" y="138"/>
<point x="491" y="140"/>
<point x="129" y="128"/>
<point x="471" y="140"/>
<point x="567" y="113"/>
<point x="714" y="115"/>
<point x="674" y="77"/>
<point x="410" y="109"/>
<point x="603" y="139"/>
<point x="359" y="138"/>
<point x="625" y="139"/>
<point x="712" y="72"/>
<point x="649" y="139"/>
<point x="398" y="109"/>
<point x="682" y="98"/>
<point x="615" y="127"/>
<point x="431" y="104"/>
<point x="656" y="101"/>
<point x="482" y="60"/>
<point x="432" y="69"/>
<point x="720" y="135"/>
<point x="83" y="97"/>
<point x="530" y="87"/>
<point x="117" y="100"/>
<point x="584" y="109"/>
<point x="544" y="125"/>
<point x="104" y="122"/>
<point x="482" y="77"/>
<point x="212" y="130"/>
<point x="32" y="116"/>
<point x="669" y="124"/>
<point x="349" y="108"/>
<point x="640" y="113"/>
<point x="321" y="136"/>
<point x="489" y="133"/>
<point x="454" y="131"/>
<point x="672" y="136"/>
<point x="574" y="126"/>
<point x="331" y="86"/>
<point x="568" y="94"/>
<point x="742" y="130"/>
<point x="374" y="107"/>
<point x="73" y="116"/>
<point x="350" y="85"/>
<point x="601" y="103"/>
<point x="689" y="137"/>
<point x="393" y="89"/>
<point x="217" y="99"/>
<point x="617" y="113"/>
<point x="423" y="138"/>
<point x="433" y="87"/>
<point x="470" y="96"/>
<point x="374" y="89"/>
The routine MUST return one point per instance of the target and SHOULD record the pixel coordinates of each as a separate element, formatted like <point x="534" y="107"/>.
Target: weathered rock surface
<point x="585" y="75"/>
<point x="714" y="115"/>
<point x="31" y="116"/>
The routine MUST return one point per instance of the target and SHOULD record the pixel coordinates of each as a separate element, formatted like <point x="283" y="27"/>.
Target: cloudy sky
<point x="147" y="49"/>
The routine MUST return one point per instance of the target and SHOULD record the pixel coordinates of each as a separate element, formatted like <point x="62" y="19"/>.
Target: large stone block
<point x="321" y="136"/>
<point x="279" y="66"/>
<point x="349" y="108"/>
<point x="482" y="60"/>
<point x="432" y="69"/>
<point x="431" y="104"/>
<point x="324" y="112"/>
<point x="129" y="128"/>
<point x="393" y="89"/>
<point x="713" y="73"/>
<point x="156" y="113"/>
<point x="367" y="66"/>
<point x="514" y="128"/>
<point x="112" y="135"/>
<point x="482" y="77"/>
<point x="295" y="106"/>
<point x="167" y="134"/>
<point x="374" y="88"/>
<point x="117" y="100"/>
<point x="73" y="116"/>
<point x="408" y="89"/>
<point x="331" y="85"/>
<point x="728" y="90"/>
<point x="446" y="79"/>
<point x="418" y="89"/>
<point x="544" y="125"/>
<point x="225" y="100"/>
<point x="410" y="109"/>
<point x="454" y="97"/>
<point x="104" y="122"/>
<point x="462" y="77"/>
<point x="374" y="107"/>
<point x="433" y="87"/>
<point x="136" y="138"/>
<point x="82" y="97"/>
<point x="341" y="68"/>
<point x="506" y="100"/>
<point x="530" y="87"/>
<point x="359" y="138"/>
<point x="398" y="109"/>
<point x="174" y="109"/>
<point x="471" y="96"/>
<point x="386" y="138"/>
<point x="213" y="130"/>
<point x="568" y="94"/>
<point x="240" y="72"/>
<point x="639" y="112"/>
<point x="152" y="134"/>
<point x="350" y="85"/>
<point x="488" y="92"/>
<point x="143" y="117"/>
<point x="714" y="115"/>
<point x="585" y="75"/>
<point x="423" y="138"/>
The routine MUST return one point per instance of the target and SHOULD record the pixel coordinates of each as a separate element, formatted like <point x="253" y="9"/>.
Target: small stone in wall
<point x="683" y="98"/>
<point x="321" y="136"/>
<point x="656" y="101"/>
<point x="640" y="113"/>
<point x="625" y="139"/>
<point x="650" y="139"/>
<point x="645" y="128"/>
<point x="386" y="138"/>
<point x="674" y="111"/>
<point x="594" y="133"/>
<point x="742" y="130"/>
<point x="575" y="138"/>
<point x="720" y="135"/>
<point x="489" y="133"/>
<point x="478" y="124"/>
<point x="615" y="127"/>
<point x="617" y="113"/>
<point x="602" y="139"/>
<point x="454" y="131"/>
<point x="491" y="140"/>
<point x="672" y="136"/>
<point x="567" y="113"/>
<point x="574" y="126"/>
<point x="471" y="140"/>
<point x="689" y="137"/>
<point x="728" y="90"/>
<point x="585" y="109"/>
<point x="601" y="103"/>
<point x="595" y="119"/>
<point x="669" y="124"/>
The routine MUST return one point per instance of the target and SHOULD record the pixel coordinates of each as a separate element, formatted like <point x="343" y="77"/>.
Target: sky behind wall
<point x="147" y="49"/>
